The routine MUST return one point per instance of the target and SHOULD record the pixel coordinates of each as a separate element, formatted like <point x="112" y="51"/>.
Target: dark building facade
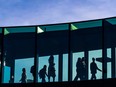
<point x="71" y="54"/>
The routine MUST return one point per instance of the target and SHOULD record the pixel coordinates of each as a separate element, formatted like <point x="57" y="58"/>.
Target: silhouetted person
<point x="23" y="77"/>
<point x="84" y="69"/>
<point x="32" y="70"/>
<point x="43" y="74"/>
<point x="51" y="69"/>
<point x="94" y="68"/>
<point x="51" y="59"/>
<point x="51" y="72"/>
<point x="78" y="70"/>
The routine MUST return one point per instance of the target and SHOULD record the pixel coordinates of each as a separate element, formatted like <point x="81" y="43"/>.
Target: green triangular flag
<point x="6" y="32"/>
<point x="73" y="27"/>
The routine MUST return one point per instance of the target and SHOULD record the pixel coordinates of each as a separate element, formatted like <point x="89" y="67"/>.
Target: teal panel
<point x="0" y="30"/>
<point x="88" y="24"/>
<point x="20" y="29"/>
<point x="55" y="27"/>
<point x="112" y="21"/>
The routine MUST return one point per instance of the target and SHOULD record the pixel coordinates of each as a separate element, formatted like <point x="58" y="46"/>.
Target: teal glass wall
<point x="19" y="53"/>
<point x="86" y="44"/>
<point x="52" y="51"/>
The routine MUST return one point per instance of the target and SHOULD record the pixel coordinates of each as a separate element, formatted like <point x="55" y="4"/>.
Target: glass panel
<point x="95" y="64"/>
<point x="76" y="58"/>
<point x="65" y="67"/>
<point x="85" y="36"/>
<point x="46" y="61"/>
<point x="52" y="49"/>
<point x="27" y="63"/>
<point x="108" y="62"/>
<point x="19" y="52"/>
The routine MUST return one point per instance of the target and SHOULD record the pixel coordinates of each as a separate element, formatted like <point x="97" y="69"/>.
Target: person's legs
<point x="33" y="76"/>
<point x="92" y="76"/>
<point x="48" y="78"/>
<point x="43" y="80"/>
<point x="76" y="78"/>
<point x="53" y="79"/>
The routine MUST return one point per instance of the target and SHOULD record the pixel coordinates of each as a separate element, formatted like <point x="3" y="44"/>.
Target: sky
<point x="37" y="12"/>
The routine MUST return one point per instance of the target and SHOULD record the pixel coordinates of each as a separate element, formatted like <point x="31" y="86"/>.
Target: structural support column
<point x="2" y="57"/>
<point x="104" y="49"/>
<point x="104" y="63"/>
<point x="36" y="69"/>
<point x="69" y="56"/>
<point x="60" y="67"/>
<point x="36" y="57"/>
<point x="70" y="67"/>
<point x="86" y="61"/>
<point x="113" y="62"/>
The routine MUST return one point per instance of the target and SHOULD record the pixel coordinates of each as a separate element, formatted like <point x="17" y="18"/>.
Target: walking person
<point x="43" y="74"/>
<point x="23" y="76"/>
<point x="32" y="70"/>
<point x="84" y="69"/>
<point x="94" y="68"/>
<point x="51" y="69"/>
<point x="78" y="70"/>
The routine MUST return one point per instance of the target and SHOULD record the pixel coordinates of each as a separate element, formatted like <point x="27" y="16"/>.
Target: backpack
<point x="40" y="73"/>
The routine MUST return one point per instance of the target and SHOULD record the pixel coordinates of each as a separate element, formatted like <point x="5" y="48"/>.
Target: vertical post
<point x="86" y="61"/>
<point x="60" y="67"/>
<point x="70" y="67"/>
<point x="2" y="57"/>
<point x="113" y="62"/>
<point x="36" y="64"/>
<point x="36" y="59"/>
<point x="104" y="51"/>
<point x="105" y="63"/>
<point x="69" y="56"/>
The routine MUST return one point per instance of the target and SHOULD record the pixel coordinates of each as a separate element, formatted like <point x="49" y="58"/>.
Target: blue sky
<point x="32" y="12"/>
